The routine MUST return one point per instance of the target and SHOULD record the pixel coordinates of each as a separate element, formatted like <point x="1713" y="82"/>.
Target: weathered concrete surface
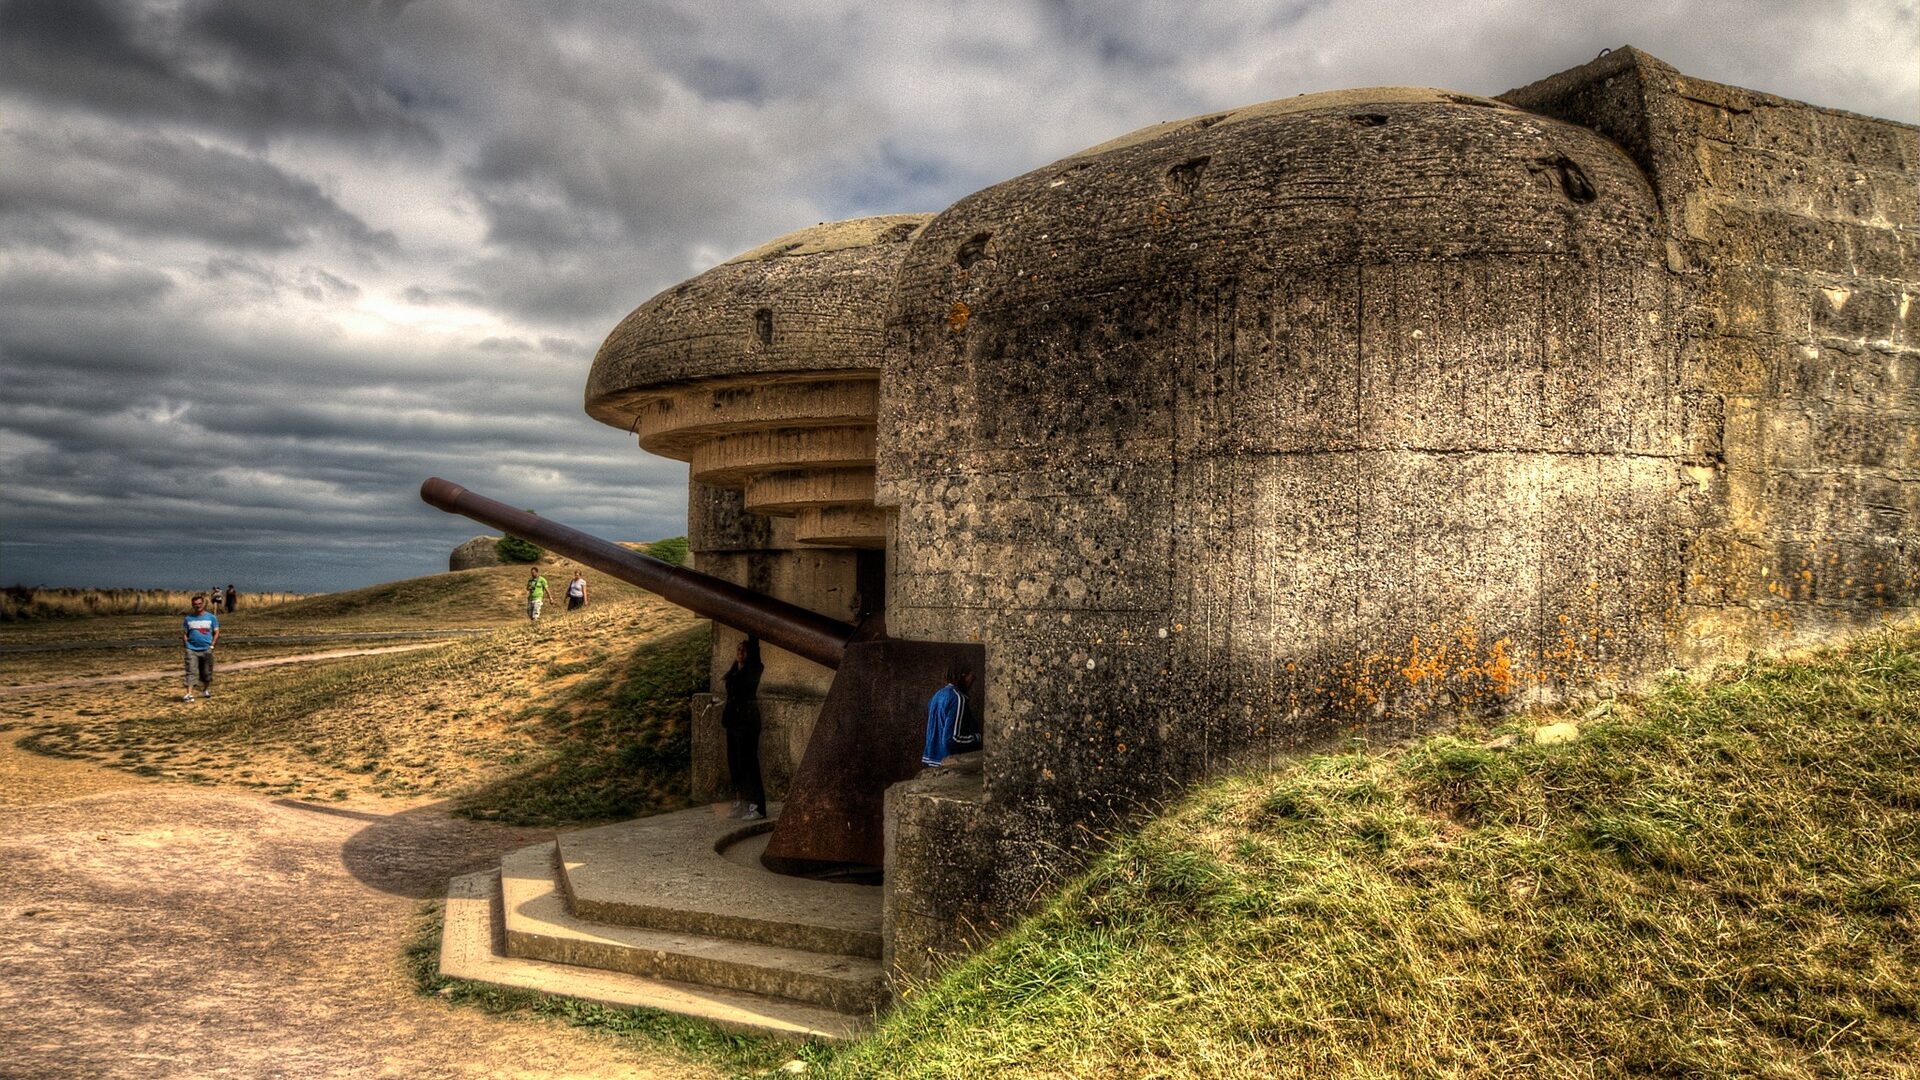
<point x="667" y="872"/>
<point x="809" y="302"/>
<point x="1794" y="250"/>
<point x="479" y="551"/>
<point x="159" y="931"/>
<point x="762" y="373"/>
<point x="540" y="924"/>
<point x="469" y="951"/>
<point x="1356" y="412"/>
<point x="1255" y="430"/>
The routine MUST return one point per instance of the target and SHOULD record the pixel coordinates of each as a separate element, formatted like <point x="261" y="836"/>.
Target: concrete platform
<point x="539" y="926"/>
<point x="674" y="912"/>
<point x="687" y="872"/>
<point x="472" y="947"/>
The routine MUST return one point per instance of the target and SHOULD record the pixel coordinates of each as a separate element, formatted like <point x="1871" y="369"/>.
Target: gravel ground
<point x="159" y="930"/>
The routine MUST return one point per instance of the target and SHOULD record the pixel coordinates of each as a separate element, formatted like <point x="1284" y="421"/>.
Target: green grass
<point x="673" y="549"/>
<point x="1715" y="880"/>
<point x="619" y="745"/>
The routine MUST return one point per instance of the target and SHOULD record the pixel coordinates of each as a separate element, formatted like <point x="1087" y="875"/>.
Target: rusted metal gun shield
<point x="868" y="737"/>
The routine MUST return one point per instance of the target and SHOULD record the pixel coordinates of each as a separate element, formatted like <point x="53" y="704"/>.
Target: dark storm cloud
<point x="158" y="186"/>
<point x="266" y="264"/>
<point x="86" y="289"/>
<point x="252" y="68"/>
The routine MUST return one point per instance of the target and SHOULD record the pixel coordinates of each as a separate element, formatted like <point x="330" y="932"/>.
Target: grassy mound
<point x="506" y="711"/>
<point x="617" y="745"/>
<point x="486" y="596"/>
<point x="1718" y="879"/>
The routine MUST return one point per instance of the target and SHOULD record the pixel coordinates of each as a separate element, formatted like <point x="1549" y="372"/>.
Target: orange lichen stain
<point x="957" y="316"/>
<point x="1492" y="667"/>
<point x="1498" y="668"/>
<point x="1432" y="665"/>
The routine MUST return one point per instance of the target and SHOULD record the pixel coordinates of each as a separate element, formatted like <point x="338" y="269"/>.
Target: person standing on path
<point x="200" y="631"/>
<point x="945" y="712"/>
<point x="536" y="593"/>
<point x="233" y="598"/>
<point x="741" y="718"/>
<point x="577" y="592"/>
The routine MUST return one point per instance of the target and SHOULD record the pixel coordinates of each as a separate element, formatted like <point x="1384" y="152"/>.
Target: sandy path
<point x="221" y="666"/>
<point x="156" y="930"/>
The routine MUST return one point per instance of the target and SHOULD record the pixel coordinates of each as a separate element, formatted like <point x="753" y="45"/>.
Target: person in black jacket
<point x="741" y="718"/>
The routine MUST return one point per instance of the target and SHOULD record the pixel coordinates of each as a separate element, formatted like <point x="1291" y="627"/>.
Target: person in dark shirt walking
<point x="741" y="718"/>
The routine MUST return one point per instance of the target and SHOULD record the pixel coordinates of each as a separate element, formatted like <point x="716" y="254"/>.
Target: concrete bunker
<point x="1343" y="414"/>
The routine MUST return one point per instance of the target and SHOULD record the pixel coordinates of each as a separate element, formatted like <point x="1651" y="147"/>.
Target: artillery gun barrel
<point x="789" y="626"/>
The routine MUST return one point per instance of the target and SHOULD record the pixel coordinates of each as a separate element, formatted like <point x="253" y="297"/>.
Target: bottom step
<point x="470" y="949"/>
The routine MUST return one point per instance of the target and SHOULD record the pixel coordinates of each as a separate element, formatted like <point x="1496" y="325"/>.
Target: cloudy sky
<point x="266" y="264"/>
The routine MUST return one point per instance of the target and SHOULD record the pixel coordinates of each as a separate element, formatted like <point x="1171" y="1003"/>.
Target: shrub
<point x="512" y="549"/>
<point x="673" y="549"/>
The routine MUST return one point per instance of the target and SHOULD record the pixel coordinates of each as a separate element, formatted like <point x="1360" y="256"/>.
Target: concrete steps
<point x="679" y="917"/>
<point x="540" y="926"/>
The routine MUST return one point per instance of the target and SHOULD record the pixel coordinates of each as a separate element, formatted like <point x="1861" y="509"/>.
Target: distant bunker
<point x="1348" y="413"/>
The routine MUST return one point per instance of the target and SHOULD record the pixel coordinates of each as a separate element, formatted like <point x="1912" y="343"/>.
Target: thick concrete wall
<point x="1271" y="426"/>
<point x="1350" y="413"/>
<point x="1795" y="259"/>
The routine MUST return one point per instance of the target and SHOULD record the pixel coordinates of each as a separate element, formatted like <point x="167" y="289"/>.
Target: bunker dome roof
<point x="1364" y="176"/>
<point x="813" y="301"/>
<point x="1066" y="295"/>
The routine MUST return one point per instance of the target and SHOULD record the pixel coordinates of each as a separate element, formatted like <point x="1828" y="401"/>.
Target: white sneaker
<point x="752" y="813"/>
<point x="207" y="693"/>
<point x="188" y="696"/>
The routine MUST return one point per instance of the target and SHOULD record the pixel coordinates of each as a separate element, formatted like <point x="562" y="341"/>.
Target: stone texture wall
<point x="1350" y="413"/>
<point x="1794" y="253"/>
<point x="477" y="552"/>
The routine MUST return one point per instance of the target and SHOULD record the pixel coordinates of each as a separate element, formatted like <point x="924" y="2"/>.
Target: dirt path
<point x="237" y="665"/>
<point x="159" y="930"/>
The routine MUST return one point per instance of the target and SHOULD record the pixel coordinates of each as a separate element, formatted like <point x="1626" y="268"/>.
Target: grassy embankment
<point x="580" y="719"/>
<point x="1715" y="880"/>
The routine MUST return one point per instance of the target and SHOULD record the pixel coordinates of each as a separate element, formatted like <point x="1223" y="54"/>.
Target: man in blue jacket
<point x="200" y="630"/>
<point x="945" y="713"/>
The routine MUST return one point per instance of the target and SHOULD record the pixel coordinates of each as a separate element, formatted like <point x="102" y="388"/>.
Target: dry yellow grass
<point x="29" y="602"/>
<point x="427" y="723"/>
